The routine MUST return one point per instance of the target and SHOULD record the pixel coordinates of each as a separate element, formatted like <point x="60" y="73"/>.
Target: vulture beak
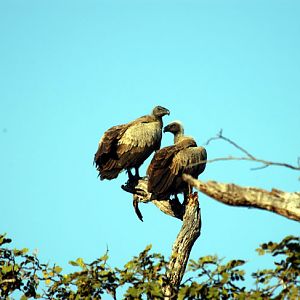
<point x="166" y="128"/>
<point x="166" y="111"/>
<point x="160" y="111"/>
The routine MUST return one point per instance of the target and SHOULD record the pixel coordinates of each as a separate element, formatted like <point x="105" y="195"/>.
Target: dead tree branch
<point x="283" y="203"/>
<point x="188" y="234"/>
<point x="182" y="246"/>
<point x="249" y="156"/>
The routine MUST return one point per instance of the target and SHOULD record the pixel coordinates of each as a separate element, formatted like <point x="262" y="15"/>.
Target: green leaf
<point x="148" y="247"/>
<point x="80" y="262"/>
<point x="73" y="263"/>
<point x="24" y="250"/>
<point x="260" y="251"/>
<point x="57" y="269"/>
<point x="225" y="277"/>
<point x="104" y="257"/>
<point x="6" y="269"/>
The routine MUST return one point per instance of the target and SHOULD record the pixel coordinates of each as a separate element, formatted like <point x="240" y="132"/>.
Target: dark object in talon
<point x="137" y="210"/>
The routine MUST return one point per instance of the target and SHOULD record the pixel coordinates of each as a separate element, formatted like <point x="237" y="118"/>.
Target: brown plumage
<point x="169" y="163"/>
<point x="127" y="146"/>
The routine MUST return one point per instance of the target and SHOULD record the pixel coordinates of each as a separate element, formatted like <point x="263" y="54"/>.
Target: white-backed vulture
<point x="169" y="163"/>
<point x="127" y="146"/>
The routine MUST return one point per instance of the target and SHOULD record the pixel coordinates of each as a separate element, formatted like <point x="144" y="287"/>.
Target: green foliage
<point x="284" y="279"/>
<point x="143" y="277"/>
<point x="213" y="280"/>
<point x="145" y="274"/>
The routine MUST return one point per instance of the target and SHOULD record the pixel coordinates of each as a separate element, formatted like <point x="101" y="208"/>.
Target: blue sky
<point x="72" y="69"/>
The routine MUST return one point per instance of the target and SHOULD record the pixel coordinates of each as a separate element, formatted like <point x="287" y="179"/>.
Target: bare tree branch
<point x="249" y="156"/>
<point x="265" y="163"/>
<point x="220" y="136"/>
<point x="282" y="203"/>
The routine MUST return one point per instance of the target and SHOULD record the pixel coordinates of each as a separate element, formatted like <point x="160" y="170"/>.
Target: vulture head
<point x="175" y="127"/>
<point x="159" y="111"/>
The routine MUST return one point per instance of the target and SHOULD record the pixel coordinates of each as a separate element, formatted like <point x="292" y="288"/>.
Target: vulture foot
<point x="130" y="176"/>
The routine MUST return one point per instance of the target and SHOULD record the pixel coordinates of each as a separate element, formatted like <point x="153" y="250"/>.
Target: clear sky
<point x="69" y="70"/>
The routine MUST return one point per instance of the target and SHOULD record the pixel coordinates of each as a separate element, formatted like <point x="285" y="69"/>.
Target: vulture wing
<point x="138" y="142"/>
<point x="164" y="168"/>
<point x="190" y="161"/>
<point x="108" y="144"/>
<point x="141" y="134"/>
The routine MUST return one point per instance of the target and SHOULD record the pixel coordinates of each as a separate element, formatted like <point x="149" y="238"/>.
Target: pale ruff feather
<point x="141" y="134"/>
<point x="187" y="158"/>
<point x="101" y="140"/>
<point x="179" y="161"/>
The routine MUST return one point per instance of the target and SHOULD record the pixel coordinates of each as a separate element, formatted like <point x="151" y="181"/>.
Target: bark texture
<point x="282" y="203"/>
<point x="188" y="234"/>
<point x="182" y="246"/>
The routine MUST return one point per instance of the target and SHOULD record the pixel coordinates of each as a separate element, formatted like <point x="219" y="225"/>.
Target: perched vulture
<point x="169" y="163"/>
<point x="127" y="146"/>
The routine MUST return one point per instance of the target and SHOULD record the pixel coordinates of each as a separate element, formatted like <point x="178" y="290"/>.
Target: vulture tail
<point x="109" y="174"/>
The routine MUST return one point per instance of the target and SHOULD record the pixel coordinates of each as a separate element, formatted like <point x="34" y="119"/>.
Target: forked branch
<point x="249" y="156"/>
<point x="188" y="234"/>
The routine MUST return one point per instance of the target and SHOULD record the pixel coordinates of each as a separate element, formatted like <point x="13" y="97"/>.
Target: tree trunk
<point x="182" y="247"/>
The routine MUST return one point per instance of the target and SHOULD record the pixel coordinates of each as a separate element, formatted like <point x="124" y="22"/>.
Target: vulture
<point x="169" y="163"/>
<point x="127" y="146"/>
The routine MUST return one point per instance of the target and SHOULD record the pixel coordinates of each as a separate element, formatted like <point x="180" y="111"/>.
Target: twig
<point x="220" y="136"/>
<point x="265" y="162"/>
<point x="249" y="156"/>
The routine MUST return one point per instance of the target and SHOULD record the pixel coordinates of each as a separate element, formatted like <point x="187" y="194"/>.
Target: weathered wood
<point x="182" y="246"/>
<point x="189" y="232"/>
<point x="283" y="203"/>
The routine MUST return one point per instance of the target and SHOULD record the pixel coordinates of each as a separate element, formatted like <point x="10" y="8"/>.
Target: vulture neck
<point x="158" y="118"/>
<point x="178" y="136"/>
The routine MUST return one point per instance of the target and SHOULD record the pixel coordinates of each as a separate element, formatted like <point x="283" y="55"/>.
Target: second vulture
<point x="169" y="163"/>
<point x="127" y="146"/>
